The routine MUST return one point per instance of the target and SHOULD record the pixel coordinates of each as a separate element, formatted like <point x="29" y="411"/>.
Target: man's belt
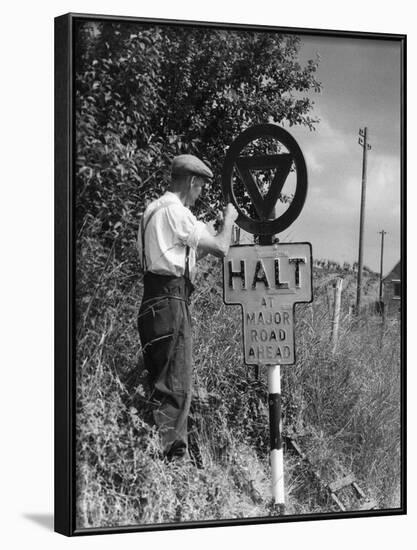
<point x="163" y="286"/>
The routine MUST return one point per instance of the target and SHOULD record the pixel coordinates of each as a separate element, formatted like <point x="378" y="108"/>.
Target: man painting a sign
<point x="170" y="241"/>
<point x="266" y="279"/>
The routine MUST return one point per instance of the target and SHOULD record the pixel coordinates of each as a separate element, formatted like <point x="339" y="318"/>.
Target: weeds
<point x="344" y="406"/>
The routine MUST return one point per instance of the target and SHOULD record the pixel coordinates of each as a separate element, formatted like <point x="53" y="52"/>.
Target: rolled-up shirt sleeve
<point x="185" y="226"/>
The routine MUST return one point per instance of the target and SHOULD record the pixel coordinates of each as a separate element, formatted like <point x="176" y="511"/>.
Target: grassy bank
<point x="344" y="406"/>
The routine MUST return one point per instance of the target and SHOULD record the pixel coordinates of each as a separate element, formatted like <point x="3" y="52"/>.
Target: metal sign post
<point x="275" y="425"/>
<point x="268" y="279"/>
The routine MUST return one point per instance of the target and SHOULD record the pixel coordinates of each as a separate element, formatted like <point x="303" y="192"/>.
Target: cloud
<point x="330" y="218"/>
<point x="313" y="163"/>
<point x="361" y="87"/>
<point x="325" y="141"/>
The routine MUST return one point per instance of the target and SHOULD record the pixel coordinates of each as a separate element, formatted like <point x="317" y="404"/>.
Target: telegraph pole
<point x="363" y="136"/>
<point x="382" y="233"/>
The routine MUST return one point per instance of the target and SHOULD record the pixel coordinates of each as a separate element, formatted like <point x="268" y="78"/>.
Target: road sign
<point x="281" y="163"/>
<point x="267" y="281"/>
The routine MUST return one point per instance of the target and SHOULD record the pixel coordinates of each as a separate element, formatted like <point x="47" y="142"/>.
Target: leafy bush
<point x="145" y="93"/>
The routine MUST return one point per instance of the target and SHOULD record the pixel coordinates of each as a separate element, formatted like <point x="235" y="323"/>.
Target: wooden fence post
<point x="336" y="312"/>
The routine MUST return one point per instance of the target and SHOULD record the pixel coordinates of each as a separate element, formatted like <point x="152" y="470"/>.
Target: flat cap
<point x="183" y="165"/>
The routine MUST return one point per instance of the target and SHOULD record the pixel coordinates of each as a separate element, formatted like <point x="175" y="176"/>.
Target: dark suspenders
<point x="187" y="262"/>
<point x="143" y="229"/>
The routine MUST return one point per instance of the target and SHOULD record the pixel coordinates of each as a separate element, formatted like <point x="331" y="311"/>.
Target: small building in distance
<point x="391" y="291"/>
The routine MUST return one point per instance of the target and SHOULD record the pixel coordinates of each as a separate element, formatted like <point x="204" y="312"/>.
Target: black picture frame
<point x="65" y="340"/>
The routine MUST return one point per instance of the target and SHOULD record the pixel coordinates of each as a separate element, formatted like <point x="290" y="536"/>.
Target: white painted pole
<point x="275" y="426"/>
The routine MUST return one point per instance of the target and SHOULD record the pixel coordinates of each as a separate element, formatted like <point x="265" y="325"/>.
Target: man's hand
<point x="228" y="216"/>
<point x="218" y="245"/>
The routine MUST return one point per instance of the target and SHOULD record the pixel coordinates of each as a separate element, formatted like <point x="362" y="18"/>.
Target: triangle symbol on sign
<point x="281" y="163"/>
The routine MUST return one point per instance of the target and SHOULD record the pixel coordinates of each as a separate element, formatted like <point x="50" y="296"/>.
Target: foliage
<point x="145" y="93"/>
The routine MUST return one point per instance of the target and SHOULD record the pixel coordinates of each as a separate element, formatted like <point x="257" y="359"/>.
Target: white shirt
<point x="167" y="234"/>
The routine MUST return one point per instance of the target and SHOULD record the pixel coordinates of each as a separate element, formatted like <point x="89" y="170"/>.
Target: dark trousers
<point x="164" y="325"/>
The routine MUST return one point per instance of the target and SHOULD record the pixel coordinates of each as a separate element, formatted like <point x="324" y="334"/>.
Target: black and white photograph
<point x="207" y="293"/>
<point x="214" y="167"/>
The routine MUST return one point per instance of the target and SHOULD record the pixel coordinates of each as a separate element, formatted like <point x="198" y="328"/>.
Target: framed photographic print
<point x="230" y="274"/>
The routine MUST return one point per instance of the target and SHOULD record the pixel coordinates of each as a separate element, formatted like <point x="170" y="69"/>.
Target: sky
<point x="361" y="86"/>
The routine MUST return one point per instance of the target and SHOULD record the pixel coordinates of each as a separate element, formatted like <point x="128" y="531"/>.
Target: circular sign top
<point x="264" y="205"/>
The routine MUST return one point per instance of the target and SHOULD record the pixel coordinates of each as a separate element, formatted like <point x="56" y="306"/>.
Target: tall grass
<point x="343" y="406"/>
